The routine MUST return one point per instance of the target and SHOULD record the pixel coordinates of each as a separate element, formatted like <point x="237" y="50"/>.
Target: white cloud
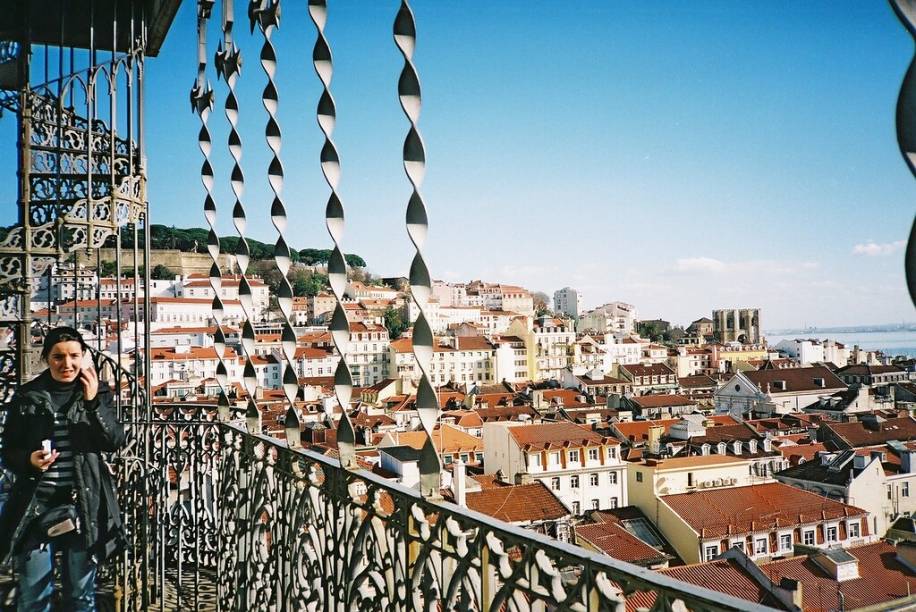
<point x="874" y="249"/>
<point x="699" y="264"/>
<point x="756" y="266"/>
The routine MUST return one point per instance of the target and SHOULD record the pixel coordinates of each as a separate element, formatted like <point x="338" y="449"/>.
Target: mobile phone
<point x="87" y="361"/>
<point x="46" y="447"/>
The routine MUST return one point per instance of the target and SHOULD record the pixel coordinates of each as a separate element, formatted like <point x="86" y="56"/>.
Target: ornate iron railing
<point x="298" y="532"/>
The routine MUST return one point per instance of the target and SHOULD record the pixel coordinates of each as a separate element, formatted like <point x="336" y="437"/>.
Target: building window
<point x="574" y="455"/>
<point x="711" y="551"/>
<point x="555" y="458"/>
<point x="905" y="489"/>
<point x="614" y="478"/>
<point x="447" y="459"/>
<point x="575" y="507"/>
<point x="464" y="457"/>
<point x="760" y="546"/>
<point x="785" y="541"/>
<point x="613" y="502"/>
<point x="594" y="504"/>
<point x="739" y="544"/>
<point x="555" y="483"/>
<point x="854" y="530"/>
<point x="831" y="534"/>
<point x="593" y="480"/>
<point x="689" y="479"/>
<point x="808" y="537"/>
<point x="574" y="482"/>
<point x="593" y="454"/>
<point x="479" y="457"/>
<point x="612" y="452"/>
<point x="638" y="476"/>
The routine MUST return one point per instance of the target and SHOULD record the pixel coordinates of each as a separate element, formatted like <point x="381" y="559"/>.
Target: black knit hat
<point x="61" y="334"/>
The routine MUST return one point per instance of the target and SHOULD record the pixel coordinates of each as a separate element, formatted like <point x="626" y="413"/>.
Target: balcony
<point x="220" y="515"/>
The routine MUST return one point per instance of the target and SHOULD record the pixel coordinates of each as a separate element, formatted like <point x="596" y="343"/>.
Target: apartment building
<point x="582" y="468"/>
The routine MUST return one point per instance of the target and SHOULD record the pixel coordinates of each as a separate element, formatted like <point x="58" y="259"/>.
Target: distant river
<point x="890" y="342"/>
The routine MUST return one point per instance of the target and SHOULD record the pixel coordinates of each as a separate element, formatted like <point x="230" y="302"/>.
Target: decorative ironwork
<point x="339" y="326"/>
<point x="405" y="37"/>
<point x="313" y="536"/>
<point x="906" y="129"/>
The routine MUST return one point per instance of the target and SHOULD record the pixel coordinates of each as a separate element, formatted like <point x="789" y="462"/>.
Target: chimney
<point x="655" y="438"/>
<point x="794" y="588"/>
<point x="459" y="484"/>
<point x="812" y="434"/>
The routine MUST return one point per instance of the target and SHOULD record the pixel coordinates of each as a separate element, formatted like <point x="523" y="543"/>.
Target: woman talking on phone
<point x="63" y="498"/>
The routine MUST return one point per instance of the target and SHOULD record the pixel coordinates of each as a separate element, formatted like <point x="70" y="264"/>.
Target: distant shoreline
<point x="853" y="329"/>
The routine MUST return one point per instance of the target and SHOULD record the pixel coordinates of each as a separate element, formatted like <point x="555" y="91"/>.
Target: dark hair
<point x="61" y="334"/>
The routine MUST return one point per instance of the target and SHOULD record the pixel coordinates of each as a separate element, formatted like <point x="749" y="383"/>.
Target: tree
<point x="161" y="272"/>
<point x="541" y="303"/>
<point x="308" y="284"/>
<point x="394" y="322"/>
<point x="354" y="261"/>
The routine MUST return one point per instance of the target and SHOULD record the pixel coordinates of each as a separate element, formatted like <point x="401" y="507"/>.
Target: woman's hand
<point x="90" y="381"/>
<point x="41" y="460"/>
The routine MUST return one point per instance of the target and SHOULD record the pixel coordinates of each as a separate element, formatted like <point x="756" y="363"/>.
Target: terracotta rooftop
<point x="722" y="575"/>
<point x="882" y="579"/>
<point x="517" y="504"/>
<point x="719" y="512"/>
<point x="613" y="540"/>
<point x="554" y="435"/>
<point x="692" y="382"/>
<point x="654" y="369"/>
<point x="638" y="431"/>
<point x="858" y="433"/>
<point x="796" y="379"/>
<point x="446" y="439"/>
<point x="659" y="400"/>
<point x="693" y="461"/>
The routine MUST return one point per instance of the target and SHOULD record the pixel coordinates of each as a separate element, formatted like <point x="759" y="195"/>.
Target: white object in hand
<point x="46" y="446"/>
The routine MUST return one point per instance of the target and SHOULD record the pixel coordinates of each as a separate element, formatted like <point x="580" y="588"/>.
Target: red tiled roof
<point x="692" y="382"/>
<point x="613" y="540"/>
<point x="718" y="512"/>
<point x="662" y="399"/>
<point x="796" y="379"/>
<point x="516" y="504"/>
<point x="637" y="431"/>
<point x="548" y="435"/>
<point x="882" y="578"/>
<point x="856" y="434"/>
<point x="722" y="575"/>
<point x="654" y="369"/>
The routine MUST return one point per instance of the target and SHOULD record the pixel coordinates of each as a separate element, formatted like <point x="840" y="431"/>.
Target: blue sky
<point x="679" y="156"/>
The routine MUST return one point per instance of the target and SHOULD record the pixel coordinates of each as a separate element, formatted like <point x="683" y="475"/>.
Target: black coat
<point x="94" y="428"/>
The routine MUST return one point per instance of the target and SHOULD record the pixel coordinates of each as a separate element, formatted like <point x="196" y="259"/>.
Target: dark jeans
<point x="36" y="571"/>
<point x="36" y="577"/>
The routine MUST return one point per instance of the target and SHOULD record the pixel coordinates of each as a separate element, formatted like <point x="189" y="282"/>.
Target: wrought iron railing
<point x="298" y="532"/>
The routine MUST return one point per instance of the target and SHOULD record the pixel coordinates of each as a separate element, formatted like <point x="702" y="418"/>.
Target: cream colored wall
<point x="679" y="534"/>
<point x="670" y="482"/>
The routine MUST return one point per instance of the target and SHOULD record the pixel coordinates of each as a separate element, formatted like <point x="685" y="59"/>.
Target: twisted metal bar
<point x="405" y="37"/>
<point x="269" y="19"/>
<point x="334" y="219"/>
<point x="228" y="63"/>
<point x="906" y="129"/>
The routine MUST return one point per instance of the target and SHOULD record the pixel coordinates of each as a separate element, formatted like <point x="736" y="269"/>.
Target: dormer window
<point x="767" y="445"/>
<point x="704" y="450"/>
<point x="721" y="448"/>
<point x="752" y="446"/>
<point x="574" y="455"/>
<point x="736" y="447"/>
